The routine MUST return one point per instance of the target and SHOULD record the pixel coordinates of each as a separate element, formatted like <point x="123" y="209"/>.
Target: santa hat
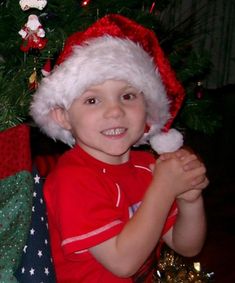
<point x="114" y="48"/>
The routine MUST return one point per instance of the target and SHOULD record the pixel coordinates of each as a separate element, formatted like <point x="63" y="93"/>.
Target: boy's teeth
<point x="113" y="132"/>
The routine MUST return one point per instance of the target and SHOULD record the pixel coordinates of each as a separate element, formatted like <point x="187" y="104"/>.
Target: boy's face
<point x="107" y="120"/>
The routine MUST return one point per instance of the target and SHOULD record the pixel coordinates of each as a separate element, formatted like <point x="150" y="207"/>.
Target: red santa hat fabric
<point x="115" y="48"/>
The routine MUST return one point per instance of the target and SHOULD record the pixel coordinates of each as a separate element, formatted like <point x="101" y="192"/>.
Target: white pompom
<point x="166" y="141"/>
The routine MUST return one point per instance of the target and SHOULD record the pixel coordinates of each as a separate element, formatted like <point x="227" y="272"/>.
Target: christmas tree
<point x="23" y="63"/>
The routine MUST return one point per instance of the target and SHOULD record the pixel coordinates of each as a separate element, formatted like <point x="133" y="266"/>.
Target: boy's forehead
<point x="117" y="84"/>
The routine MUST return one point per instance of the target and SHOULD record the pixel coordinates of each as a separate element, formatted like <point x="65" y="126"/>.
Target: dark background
<point x="217" y="152"/>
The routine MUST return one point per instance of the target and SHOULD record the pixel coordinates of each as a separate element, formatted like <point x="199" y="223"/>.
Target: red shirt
<point x="88" y="202"/>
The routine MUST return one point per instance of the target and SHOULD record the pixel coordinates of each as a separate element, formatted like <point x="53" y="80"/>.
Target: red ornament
<point x="46" y="68"/>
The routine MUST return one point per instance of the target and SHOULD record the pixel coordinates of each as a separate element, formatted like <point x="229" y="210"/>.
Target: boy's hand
<point x="192" y="195"/>
<point x="182" y="154"/>
<point x="192" y="178"/>
<point x="170" y="176"/>
<point x="199" y="183"/>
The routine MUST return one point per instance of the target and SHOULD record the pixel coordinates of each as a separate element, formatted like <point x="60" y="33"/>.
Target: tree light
<point x="85" y="2"/>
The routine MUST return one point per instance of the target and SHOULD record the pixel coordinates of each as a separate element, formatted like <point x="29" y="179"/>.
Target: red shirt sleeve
<point x="85" y="209"/>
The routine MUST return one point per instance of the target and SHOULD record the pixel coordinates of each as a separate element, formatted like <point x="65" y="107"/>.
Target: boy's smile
<point x="107" y="119"/>
<point x="114" y="133"/>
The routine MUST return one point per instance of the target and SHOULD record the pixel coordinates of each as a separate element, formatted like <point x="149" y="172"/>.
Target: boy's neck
<point x="105" y="157"/>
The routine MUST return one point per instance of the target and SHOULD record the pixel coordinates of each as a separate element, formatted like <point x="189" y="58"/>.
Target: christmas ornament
<point x="33" y="34"/>
<point x="28" y="4"/>
<point x="46" y="68"/>
<point x="33" y="83"/>
<point x="199" y="90"/>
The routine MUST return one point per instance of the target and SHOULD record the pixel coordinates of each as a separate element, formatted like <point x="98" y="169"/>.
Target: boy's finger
<point x="192" y="165"/>
<point x="189" y="158"/>
<point x="181" y="153"/>
<point x="202" y="185"/>
<point x="166" y="156"/>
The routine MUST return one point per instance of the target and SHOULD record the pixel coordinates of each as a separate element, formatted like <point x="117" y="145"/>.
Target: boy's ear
<point x="60" y="116"/>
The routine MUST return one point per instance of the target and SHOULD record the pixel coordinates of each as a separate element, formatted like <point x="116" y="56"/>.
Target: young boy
<point x="108" y="206"/>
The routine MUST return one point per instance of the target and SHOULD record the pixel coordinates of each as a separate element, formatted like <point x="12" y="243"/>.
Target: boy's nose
<point x="114" y="110"/>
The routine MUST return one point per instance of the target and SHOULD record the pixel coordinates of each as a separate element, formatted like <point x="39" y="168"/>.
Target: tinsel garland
<point x="173" y="268"/>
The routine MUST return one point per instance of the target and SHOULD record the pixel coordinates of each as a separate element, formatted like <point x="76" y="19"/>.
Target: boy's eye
<point x="91" y="100"/>
<point x="129" y="96"/>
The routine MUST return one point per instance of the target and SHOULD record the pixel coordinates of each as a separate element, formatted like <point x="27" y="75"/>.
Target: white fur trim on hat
<point x="100" y="59"/>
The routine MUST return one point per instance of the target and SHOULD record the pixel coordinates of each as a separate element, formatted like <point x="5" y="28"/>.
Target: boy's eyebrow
<point x="95" y="87"/>
<point x="131" y="87"/>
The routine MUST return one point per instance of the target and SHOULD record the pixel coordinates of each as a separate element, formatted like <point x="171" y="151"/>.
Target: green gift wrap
<point x="16" y="183"/>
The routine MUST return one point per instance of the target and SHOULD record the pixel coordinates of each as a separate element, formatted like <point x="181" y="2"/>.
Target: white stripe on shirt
<point x="90" y="234"/>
